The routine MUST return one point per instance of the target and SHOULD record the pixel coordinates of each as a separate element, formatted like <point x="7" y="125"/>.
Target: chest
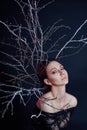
<point x="56" y="106"/>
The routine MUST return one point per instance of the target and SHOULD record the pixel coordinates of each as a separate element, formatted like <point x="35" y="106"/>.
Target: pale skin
<point x="57" y="99"/>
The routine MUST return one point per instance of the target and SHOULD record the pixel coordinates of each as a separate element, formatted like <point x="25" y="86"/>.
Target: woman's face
<point x="56" y="74"/>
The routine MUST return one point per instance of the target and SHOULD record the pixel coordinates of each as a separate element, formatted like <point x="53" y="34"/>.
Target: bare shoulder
<point x="43" y="102"/>
<point x="73" y="100"/>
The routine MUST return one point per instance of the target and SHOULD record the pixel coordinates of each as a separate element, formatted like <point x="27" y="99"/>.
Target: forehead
<point x="53" y="64"/>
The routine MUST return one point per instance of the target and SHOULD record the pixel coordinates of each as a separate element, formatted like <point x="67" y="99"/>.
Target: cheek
<point x="54" y="78"/>
<point x="66" y="74"/>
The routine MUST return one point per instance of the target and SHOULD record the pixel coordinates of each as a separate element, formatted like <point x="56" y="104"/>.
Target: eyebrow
<point x="53" y="69"/>
<point x="56" y="68"/>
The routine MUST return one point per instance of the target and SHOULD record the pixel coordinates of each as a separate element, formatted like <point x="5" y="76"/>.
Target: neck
<point x="58" y="92"/>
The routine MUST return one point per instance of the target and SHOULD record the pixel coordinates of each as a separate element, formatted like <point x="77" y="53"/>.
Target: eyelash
<point x="54" y="72"/>
<point x="62" y="68"/>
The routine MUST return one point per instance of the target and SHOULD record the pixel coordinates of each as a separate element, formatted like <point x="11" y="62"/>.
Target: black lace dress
<point x="52" y="121"/>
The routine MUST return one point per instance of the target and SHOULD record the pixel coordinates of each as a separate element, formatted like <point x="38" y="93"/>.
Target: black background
<point x="73" y="13"/>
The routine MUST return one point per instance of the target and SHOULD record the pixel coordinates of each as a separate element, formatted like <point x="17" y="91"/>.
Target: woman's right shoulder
<point x="43" y="102"/>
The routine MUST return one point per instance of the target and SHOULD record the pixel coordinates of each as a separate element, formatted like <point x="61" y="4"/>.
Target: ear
<point x="47" y="82"/>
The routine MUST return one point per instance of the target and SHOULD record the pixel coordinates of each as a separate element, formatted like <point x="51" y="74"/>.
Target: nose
<point x="61" y="72"/>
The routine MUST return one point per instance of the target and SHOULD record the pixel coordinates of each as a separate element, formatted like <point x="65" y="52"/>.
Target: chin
<point x="65" y="79"/>
<point x="66" y="82"/>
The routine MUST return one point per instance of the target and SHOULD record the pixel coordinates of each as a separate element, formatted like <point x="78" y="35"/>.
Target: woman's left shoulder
<point x="73" y="100"/>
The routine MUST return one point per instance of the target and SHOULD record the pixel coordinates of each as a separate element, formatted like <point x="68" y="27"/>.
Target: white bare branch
<point x="71" y="40"/>
<point x="31" y="44"/>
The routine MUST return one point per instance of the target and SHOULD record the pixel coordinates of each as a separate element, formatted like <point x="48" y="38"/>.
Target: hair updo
<point x="42" y="70"/>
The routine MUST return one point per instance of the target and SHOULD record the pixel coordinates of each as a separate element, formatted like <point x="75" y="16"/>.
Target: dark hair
<point x="42" y="70"/>
<point x="42" y="75"/>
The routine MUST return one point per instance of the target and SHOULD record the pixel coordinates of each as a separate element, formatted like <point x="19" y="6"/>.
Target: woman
<point x="55" y="106"/>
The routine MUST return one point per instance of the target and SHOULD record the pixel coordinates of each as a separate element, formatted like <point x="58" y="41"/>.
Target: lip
<point x="64" y="78"/>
